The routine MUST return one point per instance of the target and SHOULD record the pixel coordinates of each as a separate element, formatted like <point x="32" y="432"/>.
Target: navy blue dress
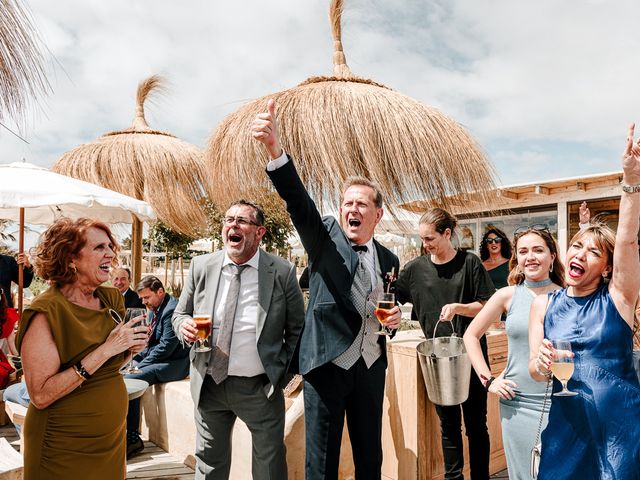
<point x="596" y="434"/>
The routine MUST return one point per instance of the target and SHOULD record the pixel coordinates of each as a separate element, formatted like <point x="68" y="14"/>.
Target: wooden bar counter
<point x="410" y="426"/>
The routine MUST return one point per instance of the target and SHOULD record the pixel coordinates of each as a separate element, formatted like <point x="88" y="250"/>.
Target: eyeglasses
<point x="522" y="229"/>
<point x="240" y="221"/>
<point x="117" y="319"/>
<point x="496" y="240"/>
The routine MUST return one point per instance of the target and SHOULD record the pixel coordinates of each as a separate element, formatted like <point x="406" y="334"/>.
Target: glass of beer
<point x="385" y="304"/>
<point x="562" y="367"/>
<point x="203" y="324"/>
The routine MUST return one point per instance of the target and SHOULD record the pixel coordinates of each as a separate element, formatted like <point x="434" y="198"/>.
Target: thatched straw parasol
<point x="22" y="75"/>
<point x="346" y="125"/>
<point x="146" y="164"/>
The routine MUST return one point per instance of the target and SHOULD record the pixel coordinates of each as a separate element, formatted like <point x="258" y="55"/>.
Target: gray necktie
<point x="220" y="365"/>
<point x="361" y="284"/>
<point x="366" y="343"/>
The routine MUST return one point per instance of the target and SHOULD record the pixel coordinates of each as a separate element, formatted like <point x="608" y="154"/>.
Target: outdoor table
<point x="135" y="387"/>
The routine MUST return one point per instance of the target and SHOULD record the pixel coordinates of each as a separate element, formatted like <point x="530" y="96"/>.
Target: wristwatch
<point x="630" y="188"/>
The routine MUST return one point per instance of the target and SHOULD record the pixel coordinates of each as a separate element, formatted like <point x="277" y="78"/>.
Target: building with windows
<point x="553" y="203"/>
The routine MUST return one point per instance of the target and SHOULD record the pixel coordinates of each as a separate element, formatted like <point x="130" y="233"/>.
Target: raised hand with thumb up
<point x="265" y="129"/>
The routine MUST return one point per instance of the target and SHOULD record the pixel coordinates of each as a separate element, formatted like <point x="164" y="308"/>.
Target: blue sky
<point x="546" y="87"/>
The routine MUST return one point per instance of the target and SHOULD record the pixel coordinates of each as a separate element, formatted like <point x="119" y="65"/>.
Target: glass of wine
<point x="130" y="315"/>
<point x="385" y="304"/>
<point x="562" y="367"/>
<point x="203" y="325"/>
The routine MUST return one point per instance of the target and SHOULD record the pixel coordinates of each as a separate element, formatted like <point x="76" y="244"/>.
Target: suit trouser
<point x="216" y="413"/>
<point x="474" y="410"/>
<point x="329" y="393"/>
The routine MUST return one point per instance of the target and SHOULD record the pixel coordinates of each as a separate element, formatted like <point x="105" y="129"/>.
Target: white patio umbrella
<point x="33" y="194"/>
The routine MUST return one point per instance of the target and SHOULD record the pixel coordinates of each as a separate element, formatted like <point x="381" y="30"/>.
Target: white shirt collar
<point x="253" y="261"/>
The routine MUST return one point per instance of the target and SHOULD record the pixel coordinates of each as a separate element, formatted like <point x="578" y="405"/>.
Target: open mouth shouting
<point x="234" y="239"/>
<point x="354" y="222"/>
<point x="575" y="270"/>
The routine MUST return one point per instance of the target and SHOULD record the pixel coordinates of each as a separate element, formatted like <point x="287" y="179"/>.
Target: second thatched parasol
<point x="147" y="164"/>
<point x="345" y="125"/>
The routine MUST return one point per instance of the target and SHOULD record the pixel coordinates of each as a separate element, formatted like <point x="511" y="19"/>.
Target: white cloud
<point x="512" y="72"/>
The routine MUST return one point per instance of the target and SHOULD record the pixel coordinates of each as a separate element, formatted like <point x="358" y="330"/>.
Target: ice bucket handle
<point x="453" y="330"/>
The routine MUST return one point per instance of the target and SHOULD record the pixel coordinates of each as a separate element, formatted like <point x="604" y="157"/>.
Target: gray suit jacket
<point x="280" y="314"/>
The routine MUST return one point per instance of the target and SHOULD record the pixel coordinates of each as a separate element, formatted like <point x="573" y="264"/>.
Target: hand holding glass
<point x="385" y="304"/>
<point x="562" y="367"/>
<point x="203" y="325"/>
<point x="130" y="315"/>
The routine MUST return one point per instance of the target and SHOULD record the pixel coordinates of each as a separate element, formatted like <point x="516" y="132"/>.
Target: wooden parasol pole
<point x="20" y="266"/>
<point x="136" y="250"/>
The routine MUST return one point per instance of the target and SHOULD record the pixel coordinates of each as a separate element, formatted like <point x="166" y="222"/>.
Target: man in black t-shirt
<point x="450" y="285"/>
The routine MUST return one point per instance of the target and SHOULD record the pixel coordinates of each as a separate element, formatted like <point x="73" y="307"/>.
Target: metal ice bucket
<point x="446" y="368"/>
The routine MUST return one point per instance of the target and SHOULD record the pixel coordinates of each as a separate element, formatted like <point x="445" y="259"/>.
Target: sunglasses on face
<point x="539" y="227"/>
<point x="496" y="240"/>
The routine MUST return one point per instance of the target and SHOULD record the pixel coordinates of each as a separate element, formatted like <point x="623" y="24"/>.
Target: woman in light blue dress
<point x="594" y="434"/>
<point x="535" y="269"/>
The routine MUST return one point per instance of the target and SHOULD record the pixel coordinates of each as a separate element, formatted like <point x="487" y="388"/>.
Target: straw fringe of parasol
<point x="344" y="125"/>
<point x="147" y="164"/>
<point x="22" y="75"/>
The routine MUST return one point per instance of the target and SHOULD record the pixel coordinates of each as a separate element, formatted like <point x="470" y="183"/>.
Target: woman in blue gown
<point x="595" y="434"/>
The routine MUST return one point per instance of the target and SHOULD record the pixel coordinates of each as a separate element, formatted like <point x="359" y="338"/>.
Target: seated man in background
<point x="121" y="279"/>
<point x="164" y="360"/>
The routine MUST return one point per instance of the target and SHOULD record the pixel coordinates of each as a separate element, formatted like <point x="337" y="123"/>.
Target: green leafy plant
<point x="176" y="244"/>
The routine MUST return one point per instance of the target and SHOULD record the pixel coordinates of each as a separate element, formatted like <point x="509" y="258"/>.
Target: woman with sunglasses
<point x="535" y="269"/>
<point x="495" y="252"/>
<point x="72" y="352"/>
<point x="596" y="433"/>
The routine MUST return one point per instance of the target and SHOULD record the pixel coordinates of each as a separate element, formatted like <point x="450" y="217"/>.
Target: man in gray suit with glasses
<point x="257" y="313"/>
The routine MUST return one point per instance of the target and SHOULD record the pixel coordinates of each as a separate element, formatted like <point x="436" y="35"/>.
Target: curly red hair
<point x="61" y="243"/>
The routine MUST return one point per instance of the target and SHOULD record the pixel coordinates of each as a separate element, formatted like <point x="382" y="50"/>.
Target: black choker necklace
<point x="542" y="283"/>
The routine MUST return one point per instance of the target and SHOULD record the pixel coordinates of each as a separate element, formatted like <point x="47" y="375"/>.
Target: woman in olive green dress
<point x="73" y="344"/>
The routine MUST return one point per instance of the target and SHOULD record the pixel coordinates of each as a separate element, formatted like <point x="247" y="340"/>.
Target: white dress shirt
<point x="276" y="163"/>
<point x="244" y="360"/>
